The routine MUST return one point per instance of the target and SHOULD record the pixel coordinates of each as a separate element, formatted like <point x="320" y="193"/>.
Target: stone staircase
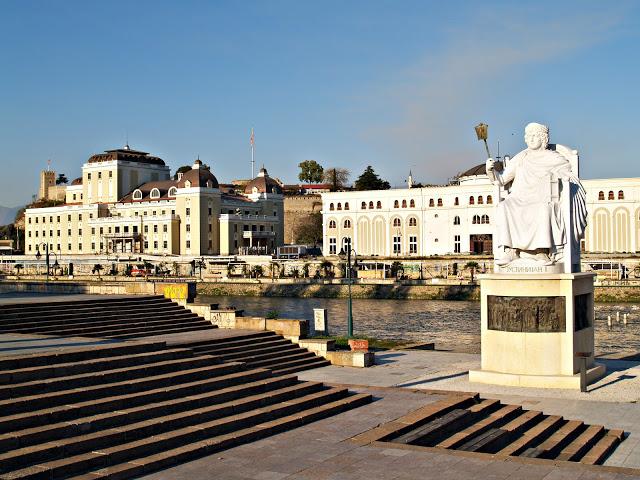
<point x="473" y="424"/>
<point x="120" y="317"/>
<point x="260" y="350"/>
<point x="125" y="409"/>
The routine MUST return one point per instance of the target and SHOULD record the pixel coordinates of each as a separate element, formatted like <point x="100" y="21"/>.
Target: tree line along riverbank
<point x="603" y="293"/>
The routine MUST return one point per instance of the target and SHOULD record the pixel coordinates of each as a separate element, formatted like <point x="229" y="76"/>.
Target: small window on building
<point x="188" y="243"/>
<point x="476" y="219"/>
<point x="600" y="195"/>
<point x="346" y="205"/>
<point x="339" y="206"/>
<point x="164" y="244"/>
<point x="432" y="203"/>
<point x="480" y="200"/>
<point x="370" y="205"/>
<point x="439" y="202"/>
<point x="89" y="176"/>
<point x="396" y="222"/>
<point x="379" y="205"/>
<point x="332" y="224"/>
<point x="396" y="204"/>
<point x="484" y="219"/>
<point x="188" y="227"/>
<point x="413" y="244"/>
<point x="164" y="228"/>
<point x="611" y="196"/>
<point x="332" y="246"/>
<point x="412" y="203"/>
<point x="137" y="195"/>
<point x="472" y="201"/>
<point x="172" y="192"/>
<point x="331" y="207"/>
<point x="188" y="211"/>
<point x="456" y="220"/>
<point x="155" y="244"/>
<point x="155" y="193"/>
<point x="404" y="204"/>
<point x="489" y="200"/>
<point x="363" y="206"/>
<point x="347" y="223"/>
<point x="620" y="195"/>
<point x="413" y="222"/>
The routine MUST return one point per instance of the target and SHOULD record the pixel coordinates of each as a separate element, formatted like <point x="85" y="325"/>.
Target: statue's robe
<point x="526" y="218"/>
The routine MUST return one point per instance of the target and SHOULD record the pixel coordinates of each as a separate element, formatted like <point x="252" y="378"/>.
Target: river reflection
<point x="451" y="325"/>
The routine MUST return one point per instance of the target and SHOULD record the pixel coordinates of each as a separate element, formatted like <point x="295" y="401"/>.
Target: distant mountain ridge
<point x="8" y="214"/>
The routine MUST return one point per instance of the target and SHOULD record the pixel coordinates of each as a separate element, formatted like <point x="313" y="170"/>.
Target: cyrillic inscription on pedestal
<point x="526" y="314"/>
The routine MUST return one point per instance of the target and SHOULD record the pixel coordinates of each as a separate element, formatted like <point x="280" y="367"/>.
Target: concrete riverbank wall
<point x="603" y="293"/>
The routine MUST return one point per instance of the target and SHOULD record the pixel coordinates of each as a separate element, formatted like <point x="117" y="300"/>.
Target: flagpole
<point x="253" y="163"/>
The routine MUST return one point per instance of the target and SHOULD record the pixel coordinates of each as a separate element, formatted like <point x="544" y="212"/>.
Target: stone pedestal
<point x="533" y="326"/>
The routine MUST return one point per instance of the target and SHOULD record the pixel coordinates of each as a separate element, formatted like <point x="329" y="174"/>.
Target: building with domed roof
<point x="127" y="202"/>
<point x="458" y="218"/>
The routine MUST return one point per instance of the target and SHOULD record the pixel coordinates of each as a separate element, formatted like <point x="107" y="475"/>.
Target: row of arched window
<point x="611" y="195"/>
<point x="155" y="193"/>
<point x="412" y="204"/>
<point x="339" y="206"/>
<point x="472" y="200"/>
<point x="477" y="219"/>
<point x="363" y="205"/>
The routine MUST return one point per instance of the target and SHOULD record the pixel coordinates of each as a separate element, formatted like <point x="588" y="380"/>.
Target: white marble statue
<point x="530" y="222"/>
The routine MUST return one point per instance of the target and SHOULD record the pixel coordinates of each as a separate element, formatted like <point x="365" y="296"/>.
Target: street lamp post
<point x="349" y="301"/>
<point x="39" y="255"/>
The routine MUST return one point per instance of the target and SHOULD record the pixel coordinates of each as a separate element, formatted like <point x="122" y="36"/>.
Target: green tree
<point x="369" y="180"/>
<point x="309" y="231"/>
<point x="62" y="179"/>
<point x="337" y="178"/>
<point x="310" y="171"/>
<point x="187" y="168"/>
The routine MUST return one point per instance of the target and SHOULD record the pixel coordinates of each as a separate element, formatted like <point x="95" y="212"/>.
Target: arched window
<point x="379" y="205"/>
<point x="155" y="193"/>
<point x="456" y="201"/>
<point x="137" y="195"/>
<point x="413" y="222"/>
<point x="456" y="220"/>
<point x="480" y="200"/>
<point x="404" y="204"/>
<point x="485" y="219"/>
<point x="431" y="203"/>
<point x="396" y="222"/>
<point x="173" y="191"/>
<point x="601" y="195"/>
<point x="332" y="224"/>
<point x="363" y="205"/>
<point x="346" y="205"/>
<point x="620" y="195"/>
<point x="331" y="207"/>
<point x="339" y="206"/>
<point x="412" y="203"/>
<point x="611" y="197"/>
<point x="476" y="219"/>
<point x="489" y="200"/>
<point x="471" y="201"/>
<point x="439" y="202"/>
<point x="347" y="223"/>
<point x="396" y="204"/>
<point x="371" y="206"/>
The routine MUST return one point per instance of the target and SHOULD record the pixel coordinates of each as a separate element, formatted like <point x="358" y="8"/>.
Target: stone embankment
<point x="613" y="292"/>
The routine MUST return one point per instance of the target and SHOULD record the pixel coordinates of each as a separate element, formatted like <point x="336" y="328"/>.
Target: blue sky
<point x="393" y="84"/>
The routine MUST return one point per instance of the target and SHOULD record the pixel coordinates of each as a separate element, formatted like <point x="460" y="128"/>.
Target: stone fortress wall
<point x="297" y="209"/>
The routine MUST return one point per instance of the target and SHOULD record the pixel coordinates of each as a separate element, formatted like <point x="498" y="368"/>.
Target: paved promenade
<point x="322" y="450"/>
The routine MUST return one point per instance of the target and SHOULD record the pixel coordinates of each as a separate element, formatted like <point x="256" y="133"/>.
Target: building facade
<point x="458" y="219"/>
<point x="126" y="202"/>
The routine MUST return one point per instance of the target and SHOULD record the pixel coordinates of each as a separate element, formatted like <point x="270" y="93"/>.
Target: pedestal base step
<point x="537" y="381"/>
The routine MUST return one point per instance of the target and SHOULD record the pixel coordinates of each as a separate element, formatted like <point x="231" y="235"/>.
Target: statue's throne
<point x="567" y="257"/>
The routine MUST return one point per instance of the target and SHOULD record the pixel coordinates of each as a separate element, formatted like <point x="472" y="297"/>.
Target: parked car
<point x="140" y="271"/>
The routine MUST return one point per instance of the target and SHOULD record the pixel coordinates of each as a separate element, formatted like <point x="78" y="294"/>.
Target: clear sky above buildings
<point x="394" y="84"/>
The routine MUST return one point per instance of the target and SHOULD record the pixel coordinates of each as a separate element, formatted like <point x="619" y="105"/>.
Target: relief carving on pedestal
<point x="526" y="314"/>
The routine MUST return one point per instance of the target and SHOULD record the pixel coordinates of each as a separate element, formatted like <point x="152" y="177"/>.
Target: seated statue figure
<point x="530" y="224"/>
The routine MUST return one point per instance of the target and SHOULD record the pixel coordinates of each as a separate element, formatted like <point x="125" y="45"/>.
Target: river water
<point x="451" y="325"/>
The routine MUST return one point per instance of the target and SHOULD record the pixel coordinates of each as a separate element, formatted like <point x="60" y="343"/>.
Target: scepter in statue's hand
<point x="481" y="132"/>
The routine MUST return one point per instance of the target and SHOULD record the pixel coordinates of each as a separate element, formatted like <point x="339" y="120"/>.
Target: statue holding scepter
<point x="530" y="223"/>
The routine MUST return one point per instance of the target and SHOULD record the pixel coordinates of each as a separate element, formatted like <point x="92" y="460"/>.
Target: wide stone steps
<point x="263" y="350"/>
<point x="117" y="410"/>
<point x="121" y="318"/>
<point x="487" y="426"/>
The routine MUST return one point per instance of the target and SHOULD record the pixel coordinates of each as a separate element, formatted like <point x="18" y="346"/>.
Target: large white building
<point x="458" y="218"/>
